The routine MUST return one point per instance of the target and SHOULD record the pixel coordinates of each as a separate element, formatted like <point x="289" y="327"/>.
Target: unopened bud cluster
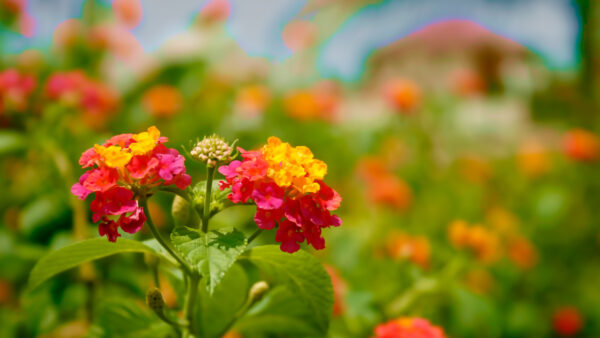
<point x="212" y="150"/>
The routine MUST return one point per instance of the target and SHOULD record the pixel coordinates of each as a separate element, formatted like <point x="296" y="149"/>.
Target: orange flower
<point x="162" y="100"/>
<point x="581" y="145"/>
<point x="533" y="159"/>
<point x="522" y="252"/>
<point x="320" y="102"/>
<point x="567" y="321"/>
<point x="128" y="12"/>
<point x="382" y="186"/>
<point x="403" y="95"/>
<point x="252" y="100"/>
<point x="415" y="248"/>
<point x="339" y="290"/>
<point x="481" y="241"/>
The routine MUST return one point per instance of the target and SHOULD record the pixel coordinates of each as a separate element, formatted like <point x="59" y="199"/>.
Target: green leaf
<point x="11" y="142"/>
<point x="305" y="277"/>
<point x="75" y="254"/>
<point x="124" y="318"/>
<point x="211" y="254"/>
<point x="217" y="311"/>
<point x="280" y="312"/>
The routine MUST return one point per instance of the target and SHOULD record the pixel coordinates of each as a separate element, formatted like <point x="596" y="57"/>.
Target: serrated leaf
<point x="124" y="318"/>
<point x="280" y="312"/>
<point x="75" y="254"/>
<point x="211" y="254"/>
<point x="305" y="277"/>
<point x="217" y="311"/>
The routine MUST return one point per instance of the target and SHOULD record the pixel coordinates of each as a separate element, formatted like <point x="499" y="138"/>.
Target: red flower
<point x="567" y="321"/>
<point x="408" y="328"/>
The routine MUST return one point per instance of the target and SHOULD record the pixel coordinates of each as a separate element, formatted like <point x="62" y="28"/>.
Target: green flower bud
<point x="258" y="290"/>
<point x="212" y="150"/>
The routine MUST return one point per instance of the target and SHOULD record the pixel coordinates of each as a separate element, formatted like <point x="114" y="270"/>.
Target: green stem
<point x="254" y="235"/>
<point x="184" y="265"/>
<point x="207" y="197"/>
<point x="190" y="304"/>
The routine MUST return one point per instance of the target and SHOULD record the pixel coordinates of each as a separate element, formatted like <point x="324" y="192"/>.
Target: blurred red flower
<point x="408" y="327"/>
<point x="581" y="145"/>
<point x="567" y="321"/>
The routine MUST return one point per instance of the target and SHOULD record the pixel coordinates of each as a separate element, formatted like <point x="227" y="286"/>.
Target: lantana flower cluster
<point x="75" y="89"/>
<point x="15" y="89"/>
<point x="123" y="168"/>
<point x="286" y="183"/>
<point x="412" y="327"/>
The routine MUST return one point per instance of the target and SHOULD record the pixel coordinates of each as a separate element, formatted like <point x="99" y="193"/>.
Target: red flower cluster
<point x="408" y="328"/>
<point x="75" y="89"/>
<point x="15" y="89"/>
<point x="286" y="184"/>
<point x="124" y="164"/>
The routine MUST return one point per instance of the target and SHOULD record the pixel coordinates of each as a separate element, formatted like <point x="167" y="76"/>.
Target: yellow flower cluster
<point x="116" y="156"/>
<point x="293" y="166"/>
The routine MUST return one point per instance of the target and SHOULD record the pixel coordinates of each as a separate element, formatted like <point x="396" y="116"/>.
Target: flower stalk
<point x="184" y="265"/>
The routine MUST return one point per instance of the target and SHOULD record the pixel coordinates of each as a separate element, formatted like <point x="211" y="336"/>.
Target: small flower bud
<point x="212" y="150"/>
<point x="155" y="300"/>
<point x="180" y="210"/>
<point x="258" y="290"/>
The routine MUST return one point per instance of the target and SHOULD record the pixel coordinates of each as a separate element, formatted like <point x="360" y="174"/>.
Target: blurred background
<point x="462" y="136"/>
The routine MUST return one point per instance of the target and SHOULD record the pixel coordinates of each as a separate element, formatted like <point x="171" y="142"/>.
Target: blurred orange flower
<point x="581" y="145"/>
<point x="128" y="12"/>
<point x="162" y="101"/>
<point x="522" y="252"/>
<point x="320" y="102"/>
<point x="382" y="186"/>
<point x="252" y="100"/>
<point x="403" y="95"/>
<point x="567" y="321"/>
<point x="480" y="240"/>
<point x="415" y="248"/>
<point x="533" y="159"/>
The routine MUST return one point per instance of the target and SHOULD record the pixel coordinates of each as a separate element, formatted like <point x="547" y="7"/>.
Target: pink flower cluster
<point x="125" y="164"/>
<point x="75" y="89"/>
<point x="298" y="214"/>
<point x="15" y="89"/>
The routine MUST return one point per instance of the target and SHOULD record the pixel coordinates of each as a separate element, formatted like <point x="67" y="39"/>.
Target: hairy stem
<point x="190" y="303"/>
<point x="184" y="265"/>
<point x="207" y="197"/>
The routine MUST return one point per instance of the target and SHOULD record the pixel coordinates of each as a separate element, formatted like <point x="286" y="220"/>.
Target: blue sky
<point x="548" y="27"/>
